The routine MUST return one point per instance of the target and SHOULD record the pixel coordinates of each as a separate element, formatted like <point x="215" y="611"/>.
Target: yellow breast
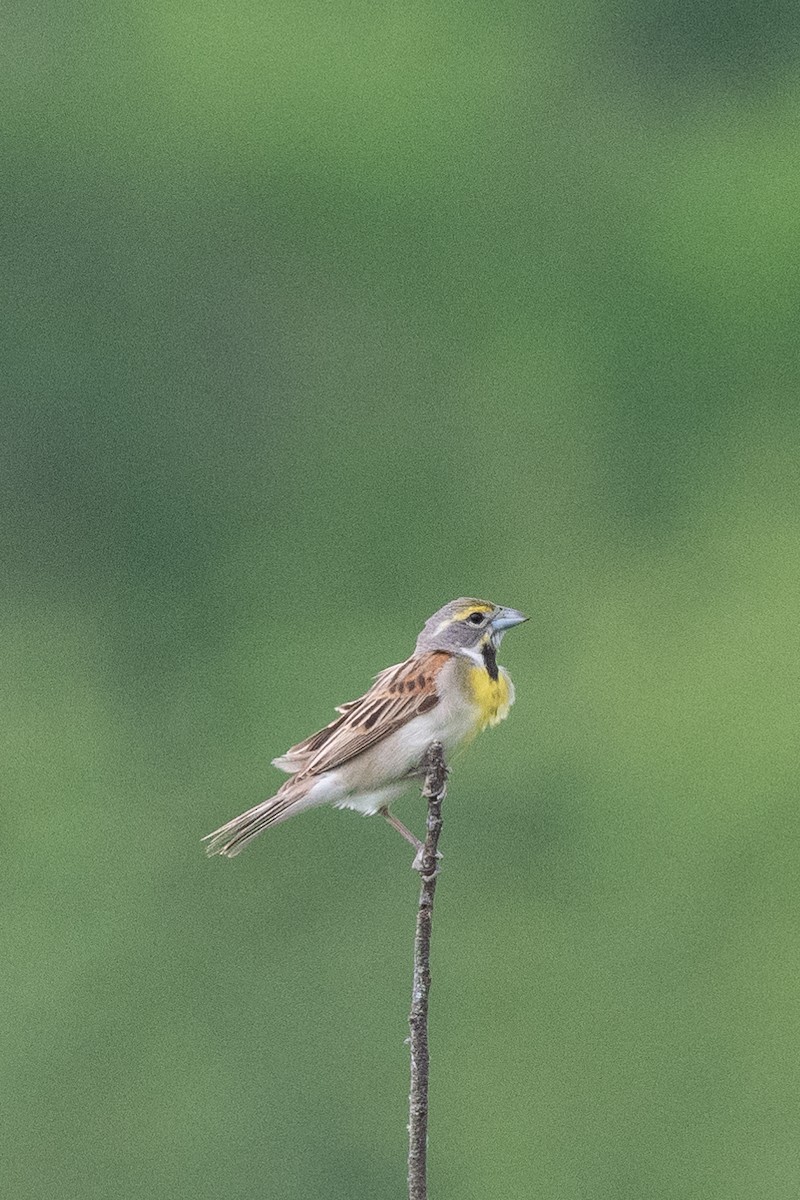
<point x="492" y="697"/>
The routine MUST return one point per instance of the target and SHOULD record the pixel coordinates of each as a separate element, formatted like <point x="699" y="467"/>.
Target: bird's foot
<point x="417" y="864"/>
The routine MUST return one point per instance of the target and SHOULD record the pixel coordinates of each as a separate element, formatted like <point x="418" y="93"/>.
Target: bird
<point x="448" y="691"/>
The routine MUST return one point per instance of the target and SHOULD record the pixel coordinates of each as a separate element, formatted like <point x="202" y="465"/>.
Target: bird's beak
<point x="505" y="619"/>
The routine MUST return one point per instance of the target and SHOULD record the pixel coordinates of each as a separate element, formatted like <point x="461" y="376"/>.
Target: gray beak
<point x="507" y="618"/>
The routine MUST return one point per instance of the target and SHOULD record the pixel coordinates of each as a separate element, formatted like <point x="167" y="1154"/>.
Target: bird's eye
<point x="475" y="618"/>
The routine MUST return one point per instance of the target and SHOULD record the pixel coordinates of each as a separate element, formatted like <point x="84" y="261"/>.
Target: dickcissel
<point x="449" y="690"/>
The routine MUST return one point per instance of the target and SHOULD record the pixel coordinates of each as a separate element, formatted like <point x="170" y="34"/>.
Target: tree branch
<point x="434" y="791"/>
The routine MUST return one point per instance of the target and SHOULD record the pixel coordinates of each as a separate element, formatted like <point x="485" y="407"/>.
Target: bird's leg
<point x="408" y="835"/>
<point x="401" y="829"/>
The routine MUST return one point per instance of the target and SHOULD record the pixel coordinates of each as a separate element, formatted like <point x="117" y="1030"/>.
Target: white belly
<point x="385" y="771"/>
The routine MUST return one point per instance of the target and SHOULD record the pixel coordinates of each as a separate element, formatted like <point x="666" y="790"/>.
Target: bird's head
<point x="464" y="626"/>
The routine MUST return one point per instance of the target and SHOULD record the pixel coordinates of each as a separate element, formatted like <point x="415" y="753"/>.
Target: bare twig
<point x="434" y="791"/>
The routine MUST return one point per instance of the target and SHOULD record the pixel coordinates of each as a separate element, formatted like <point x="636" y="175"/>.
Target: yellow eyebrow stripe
<point x="463" y="613"/>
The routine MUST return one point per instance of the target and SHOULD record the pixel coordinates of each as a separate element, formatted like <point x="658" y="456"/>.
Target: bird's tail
<point x="232" y="838"/>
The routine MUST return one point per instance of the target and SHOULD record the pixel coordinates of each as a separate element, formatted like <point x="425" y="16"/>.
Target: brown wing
<point x="397" y="695"/>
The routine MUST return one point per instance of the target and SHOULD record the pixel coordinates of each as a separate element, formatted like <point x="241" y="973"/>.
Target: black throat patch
<point x="490" y="659"/>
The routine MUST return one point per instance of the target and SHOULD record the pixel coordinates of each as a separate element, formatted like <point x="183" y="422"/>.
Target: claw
<point x="418" y="866"/>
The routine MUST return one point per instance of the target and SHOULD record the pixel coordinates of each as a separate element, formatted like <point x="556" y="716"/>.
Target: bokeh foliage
<point x="321" y="315"/>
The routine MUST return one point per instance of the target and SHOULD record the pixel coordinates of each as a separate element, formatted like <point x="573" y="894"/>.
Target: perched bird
<point x="449" y="690"/>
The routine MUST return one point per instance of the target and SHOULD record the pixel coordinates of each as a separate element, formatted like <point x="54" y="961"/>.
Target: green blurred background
<point x="321" y="315"/>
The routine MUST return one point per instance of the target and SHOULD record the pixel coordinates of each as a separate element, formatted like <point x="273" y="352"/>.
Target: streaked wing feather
<point x="398" y="694"/>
